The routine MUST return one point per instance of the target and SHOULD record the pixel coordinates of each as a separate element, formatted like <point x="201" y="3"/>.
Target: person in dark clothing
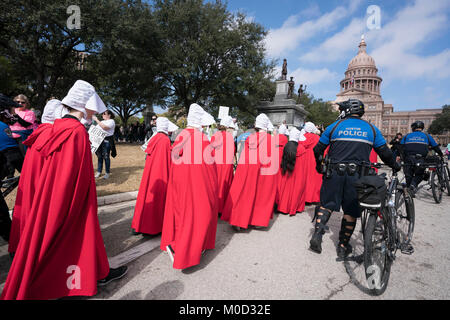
<point x="350" y="140"/>
<point x="7" y="106"/>
<point x="414" y="148"/>
<point x="395" y="144"/>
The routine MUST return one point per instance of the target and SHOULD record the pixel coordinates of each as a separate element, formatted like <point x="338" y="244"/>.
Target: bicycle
<point x="437" y="173"/>
<point x="387" y="227"/>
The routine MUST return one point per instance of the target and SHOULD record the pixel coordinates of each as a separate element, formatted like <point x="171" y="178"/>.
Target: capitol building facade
<point x="363" y="82"/>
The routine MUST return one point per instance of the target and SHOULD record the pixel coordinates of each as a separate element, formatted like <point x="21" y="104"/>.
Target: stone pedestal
<point x="282" y="108"/>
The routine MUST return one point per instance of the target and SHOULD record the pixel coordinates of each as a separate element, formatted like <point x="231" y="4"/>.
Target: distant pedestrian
<point x="107" y="146"/>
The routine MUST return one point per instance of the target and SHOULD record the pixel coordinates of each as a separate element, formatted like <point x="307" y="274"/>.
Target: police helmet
<point x="417" y="125"/>
<point x="352" y="107"/>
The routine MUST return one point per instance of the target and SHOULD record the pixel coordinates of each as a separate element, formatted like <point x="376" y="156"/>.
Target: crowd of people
<point x="186" y="187"/>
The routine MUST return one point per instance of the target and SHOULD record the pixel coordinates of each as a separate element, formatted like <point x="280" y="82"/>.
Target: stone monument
<point x="284" y="107"/>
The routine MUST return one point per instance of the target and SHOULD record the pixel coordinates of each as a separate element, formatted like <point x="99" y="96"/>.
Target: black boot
<point x="315" y="244"/>
<point x="344" y="248"/>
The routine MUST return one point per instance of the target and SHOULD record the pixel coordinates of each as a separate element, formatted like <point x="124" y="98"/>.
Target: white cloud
<point x="398" y="42"/>
<point x="313" y="76"/>
<point x="292" y="33"/>
<point x="339" y="45"/>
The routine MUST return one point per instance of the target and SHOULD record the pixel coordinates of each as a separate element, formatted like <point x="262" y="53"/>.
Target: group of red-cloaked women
<point x="186" y="187"/>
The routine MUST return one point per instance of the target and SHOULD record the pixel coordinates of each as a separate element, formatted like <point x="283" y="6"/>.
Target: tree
<point x="442" y="121"/>
<point x="128" y="64"/>
<point x="212" y="57"/>
<point x="44" y="50"/>
<point x="320" y="112"/>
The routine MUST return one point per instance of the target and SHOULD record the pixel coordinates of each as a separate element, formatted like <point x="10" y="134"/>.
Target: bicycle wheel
<point x="446" y="173"/>
<point x="377" y="263"/>
<point x="436" y="187"/>
<point x="404" y="204"/>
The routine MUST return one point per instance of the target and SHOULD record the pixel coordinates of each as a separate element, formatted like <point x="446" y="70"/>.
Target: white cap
<point x="282" y="129"/>
<point x="227" y="122"/>
<point x="310" y="127"/>
<point x="302" y="135"/>
<point x="270" y="126"/>
<point x="79" y="95"/>
<point x="52" y="111"/>
<point x="262" y="122"/>
<point x="172" y="127"/>
<point x="164" y="125"/>
<point x="194" y="118"/>
<point x="96" y="104"/>
<point x="294" y="135"/>
<point x="207" y="119"/>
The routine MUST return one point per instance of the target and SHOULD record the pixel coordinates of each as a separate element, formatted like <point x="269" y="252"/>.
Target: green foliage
<point x="43" y="51"/>
<point x="442" y="122"/>
<point x="212" y="57"/>
<point x="320" y="112"/>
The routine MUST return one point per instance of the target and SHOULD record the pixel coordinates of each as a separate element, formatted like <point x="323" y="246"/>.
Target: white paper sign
<point x="223" y="112"/>
<point x="96" y="136"/>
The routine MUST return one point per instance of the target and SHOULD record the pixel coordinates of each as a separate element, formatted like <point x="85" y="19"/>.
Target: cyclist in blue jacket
<point x="414" y="148"/>
<point x="351" y="139"/>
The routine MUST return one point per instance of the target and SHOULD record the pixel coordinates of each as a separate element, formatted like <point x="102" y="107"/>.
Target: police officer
<point x="351" y="140"/>
<point x="414" y="148"/>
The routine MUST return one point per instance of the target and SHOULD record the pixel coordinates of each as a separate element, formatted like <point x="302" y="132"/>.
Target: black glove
<point x="319" y="167"/>
<point x="397" y="167"/>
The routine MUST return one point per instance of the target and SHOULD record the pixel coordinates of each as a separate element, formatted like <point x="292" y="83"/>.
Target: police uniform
<point x="415" y="148"/>
<point x="351" y="140"/>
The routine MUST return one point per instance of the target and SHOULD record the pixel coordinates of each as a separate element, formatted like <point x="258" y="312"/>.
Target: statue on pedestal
<point x="291" y="84"/>
<point x="284" y="70"/>
<point x="300" y="92"/>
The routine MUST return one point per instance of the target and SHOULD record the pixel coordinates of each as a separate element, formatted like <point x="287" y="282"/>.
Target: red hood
<point x="48" y="138"/>
<point x="154" y="142"/>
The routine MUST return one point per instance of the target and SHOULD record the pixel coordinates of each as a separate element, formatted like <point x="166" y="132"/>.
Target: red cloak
<point x="149" y="210"/>
<point x="373" y="158"/>
<point x="292" y="186"/>
<point x="191" y="213"/>
<point x="282" y="141"/>
<point x="61" y="250"/>
<point x="31" y="171"/>
<point x="223" y="144"/>
<point x="313" y="178"/>
<point x="252" y="194"/>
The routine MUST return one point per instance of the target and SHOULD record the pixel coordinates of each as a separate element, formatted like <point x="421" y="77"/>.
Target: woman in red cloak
<point x="31" y="171"/>
<point x="314" y="179"/>
<point x="61" y="250"/>
<point x="191" y="213"/>
<point x="292" y="184"/>
<point x="223" y="144"/>
<point x="151" y="200"/>
<point x="252" y="195"/>
<point x="281" y="139"/>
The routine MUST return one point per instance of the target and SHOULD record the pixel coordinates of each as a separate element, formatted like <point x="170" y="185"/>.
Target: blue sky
<point x="319" y="38"/>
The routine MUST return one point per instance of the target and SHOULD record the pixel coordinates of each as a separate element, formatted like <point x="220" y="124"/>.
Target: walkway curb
<point x="117" y="198"/>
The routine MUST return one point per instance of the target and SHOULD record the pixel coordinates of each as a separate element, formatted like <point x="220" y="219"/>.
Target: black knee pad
<point x="347" y="229"/>
<point x="323" y="218"/>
